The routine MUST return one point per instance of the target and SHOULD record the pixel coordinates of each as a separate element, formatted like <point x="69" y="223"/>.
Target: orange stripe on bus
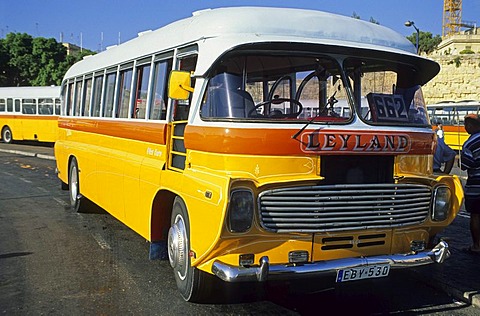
<point x="280" y="141"/>
<point x="30" y="117"/>
<point x="151" y="132"/>
<point x="454" y="128"/>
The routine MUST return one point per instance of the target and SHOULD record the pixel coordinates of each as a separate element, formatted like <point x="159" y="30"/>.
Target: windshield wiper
<point x="331" y="101"/>
<point x="310" y="121"/>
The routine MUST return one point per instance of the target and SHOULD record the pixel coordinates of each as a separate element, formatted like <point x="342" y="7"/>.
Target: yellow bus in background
<point x="29" y="113"/>
<point x="451" y="116"/>
<point x="252" y="144"/>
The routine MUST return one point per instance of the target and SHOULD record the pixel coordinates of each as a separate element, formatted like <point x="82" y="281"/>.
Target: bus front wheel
<point x="74" y="186"/>
<point x="7" y="135"/>
<point x="191" y="282"/>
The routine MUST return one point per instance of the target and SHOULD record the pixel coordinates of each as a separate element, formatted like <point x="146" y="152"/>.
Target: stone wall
<point x="458" y="79"/>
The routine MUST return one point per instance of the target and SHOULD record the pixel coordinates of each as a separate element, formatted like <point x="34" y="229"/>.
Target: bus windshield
<point x="280" y="88"/>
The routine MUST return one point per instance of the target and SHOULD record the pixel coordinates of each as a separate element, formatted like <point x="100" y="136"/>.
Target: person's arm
<point x="449" y="165"/>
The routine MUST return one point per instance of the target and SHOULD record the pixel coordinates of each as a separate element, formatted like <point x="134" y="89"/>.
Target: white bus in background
<point x="451" y="114"/>
<point x="29" y="113"/>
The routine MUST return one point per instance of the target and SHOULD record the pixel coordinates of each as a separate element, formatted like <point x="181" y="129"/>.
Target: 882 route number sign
<point x="387" y="107"/>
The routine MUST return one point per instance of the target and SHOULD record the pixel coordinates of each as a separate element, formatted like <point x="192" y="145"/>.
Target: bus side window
<point x="58" y="105"/>
<point x="97" y="95"/>
<point x="109" y="94"/>
<point x="158" y="104"/>
<point x="124" y="93"/>
<point x="17" y="106"/>
<point x="9" y="105"/>
<point x="182" y="107"/>
<point x="2" y="105"/>
<point x="78" y="97"/>
<point x="45" y="106"/>
<point x="69" y="101"/>
<point x="29" y="106"/>
<point x="140" y="106"/>
<point x="87" y="97"/>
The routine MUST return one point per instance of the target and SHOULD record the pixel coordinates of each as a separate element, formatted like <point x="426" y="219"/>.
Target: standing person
<point x="471" y="162"/>
<point x="443" y="155"/>
<point x="439" y="130"/>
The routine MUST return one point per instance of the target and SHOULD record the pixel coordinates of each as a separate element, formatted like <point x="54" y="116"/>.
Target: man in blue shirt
<point x="443" y="155"/>
<point x="471" y="162"/>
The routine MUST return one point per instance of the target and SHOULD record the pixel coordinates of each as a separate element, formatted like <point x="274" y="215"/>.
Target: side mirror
<point x="179" y="85"/>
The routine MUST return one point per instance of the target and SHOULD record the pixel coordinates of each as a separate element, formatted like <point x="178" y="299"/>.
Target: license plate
<point x="368" y="272"/>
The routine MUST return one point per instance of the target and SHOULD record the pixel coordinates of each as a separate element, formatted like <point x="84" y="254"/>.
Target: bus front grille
<point x="343" y="207"/>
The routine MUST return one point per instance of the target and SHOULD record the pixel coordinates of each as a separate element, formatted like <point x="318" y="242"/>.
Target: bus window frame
<point x="95" y="94"/>
<point x="138" y="81"/>
<point x="17" y="104"/>
<point x="185" y="106"/>
<point x="106" y="92"/>
<point x="33" y="103"/>
<point x="87" y="94"/>
<point x="122" y="105"/>
<point x="167" y="61"/>
<point x="78" y="96"/>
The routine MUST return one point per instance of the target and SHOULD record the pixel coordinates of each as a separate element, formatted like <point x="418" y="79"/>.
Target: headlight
<point x="240" y="210"/>
<point x="441" y="203"/>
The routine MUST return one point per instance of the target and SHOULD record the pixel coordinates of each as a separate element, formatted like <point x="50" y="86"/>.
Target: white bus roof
<point x="30" y="92"/>
<point x="218" y="30"/>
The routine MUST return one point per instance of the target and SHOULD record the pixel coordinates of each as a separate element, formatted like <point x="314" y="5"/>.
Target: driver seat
<point x="227" y="103"/>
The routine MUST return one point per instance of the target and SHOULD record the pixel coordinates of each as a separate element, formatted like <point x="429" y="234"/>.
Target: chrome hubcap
<point x="177" y="238"/>
<point x="7" y="136"/>
<point x="73" y="185"/>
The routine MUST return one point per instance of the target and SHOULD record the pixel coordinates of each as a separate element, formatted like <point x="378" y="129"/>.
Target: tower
<point x="452" y="17"/>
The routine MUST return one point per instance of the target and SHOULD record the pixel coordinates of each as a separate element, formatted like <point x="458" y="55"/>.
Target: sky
<point x="96" y="24"/>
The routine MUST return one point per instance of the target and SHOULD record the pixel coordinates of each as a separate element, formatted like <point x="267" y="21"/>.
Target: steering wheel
<point x="278" y="101"/>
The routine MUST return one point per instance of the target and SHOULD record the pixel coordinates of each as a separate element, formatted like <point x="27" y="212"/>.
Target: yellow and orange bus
<point x="252" y="144"/>
<point x="29" y="113"/>
<point x="450" y="115"/>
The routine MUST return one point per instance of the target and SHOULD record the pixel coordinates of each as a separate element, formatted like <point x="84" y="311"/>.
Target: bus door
<point x="16" y="123"/>
<point x="180" y="109"/>
<point x="30" y="121"/>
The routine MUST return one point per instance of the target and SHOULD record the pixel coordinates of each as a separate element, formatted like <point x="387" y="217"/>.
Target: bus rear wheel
<point x="6" y="135"/>
<point x="191" y="282"/>
<point x="74" y="186"/>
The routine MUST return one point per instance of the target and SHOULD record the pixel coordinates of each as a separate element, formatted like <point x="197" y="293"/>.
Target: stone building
<point x="459" y="77"/>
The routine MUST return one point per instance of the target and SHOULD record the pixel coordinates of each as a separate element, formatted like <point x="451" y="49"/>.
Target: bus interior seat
<point x="45" y="111"/>
<point x="227" y="103"/>
<point x="29" y="110"/>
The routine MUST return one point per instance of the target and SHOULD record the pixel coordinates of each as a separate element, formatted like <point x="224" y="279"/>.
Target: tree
<point x="28" y="61"/>
<point x="3" y="64"/>
<point x="427" y="43"/>
<point x="17" y="65"/>
<point x="47" y="55"/>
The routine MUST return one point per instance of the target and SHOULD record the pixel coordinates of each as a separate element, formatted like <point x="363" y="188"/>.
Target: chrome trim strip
<point x="265" y="270"/>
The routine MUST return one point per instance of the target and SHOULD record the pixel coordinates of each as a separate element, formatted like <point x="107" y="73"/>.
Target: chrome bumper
<point x="266" y="271"/>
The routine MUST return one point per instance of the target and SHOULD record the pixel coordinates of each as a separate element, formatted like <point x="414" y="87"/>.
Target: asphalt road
<point x="56" y="262"/>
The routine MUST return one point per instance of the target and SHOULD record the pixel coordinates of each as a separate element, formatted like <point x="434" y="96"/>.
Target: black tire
<point x="192" y="283"/>
<point x="74" y="186"/>
<point x="7" y="135"/>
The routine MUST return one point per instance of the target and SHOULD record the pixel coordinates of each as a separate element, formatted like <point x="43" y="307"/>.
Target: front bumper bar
<point x="265" y="270"/>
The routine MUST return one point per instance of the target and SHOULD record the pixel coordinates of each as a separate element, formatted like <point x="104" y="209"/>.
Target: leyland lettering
<point x="342" y="142"/>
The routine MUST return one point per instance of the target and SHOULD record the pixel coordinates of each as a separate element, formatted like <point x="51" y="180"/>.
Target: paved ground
<point x="459" y="275"/>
